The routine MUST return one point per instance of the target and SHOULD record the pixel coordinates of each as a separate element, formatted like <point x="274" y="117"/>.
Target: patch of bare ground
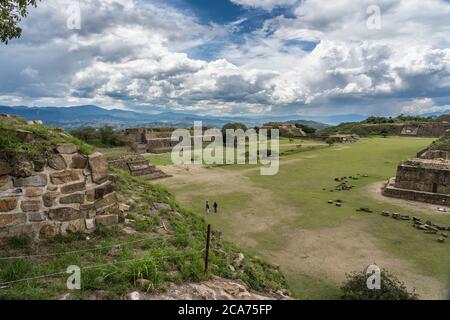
<point x="330" y="253"/>
<point x="375" y="191"/>
<point x="323" y="253"/>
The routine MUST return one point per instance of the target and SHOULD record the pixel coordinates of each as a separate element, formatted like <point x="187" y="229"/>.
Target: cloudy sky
<point x="310" y="57"/>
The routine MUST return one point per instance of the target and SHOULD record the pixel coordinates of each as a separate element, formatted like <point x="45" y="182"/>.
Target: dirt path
<point x="323" y="253"/>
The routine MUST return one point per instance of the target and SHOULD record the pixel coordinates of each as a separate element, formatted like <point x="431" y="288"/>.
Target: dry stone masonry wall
<point x="62" y="192"/>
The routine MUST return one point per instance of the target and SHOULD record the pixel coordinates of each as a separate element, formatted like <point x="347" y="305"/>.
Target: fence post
<point x="208" y="238"/>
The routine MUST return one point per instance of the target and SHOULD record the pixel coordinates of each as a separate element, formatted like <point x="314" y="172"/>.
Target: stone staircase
<point x="139" y="167"/>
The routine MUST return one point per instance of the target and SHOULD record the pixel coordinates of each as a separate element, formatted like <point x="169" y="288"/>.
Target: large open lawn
<point x="287" y="218"/>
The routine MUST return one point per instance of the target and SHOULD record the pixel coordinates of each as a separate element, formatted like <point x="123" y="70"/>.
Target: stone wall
<point x="61" y="192"/>
<point x="424" y="175"/>
<point x="425" y="129"/>
<point x="435" y="198"/>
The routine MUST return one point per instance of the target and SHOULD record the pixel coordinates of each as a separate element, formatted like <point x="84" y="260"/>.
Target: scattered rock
<point x="133" y="296"/>
<point x="107" y="220"/>
<point x="160" y="206"/>
<point x="128" y="230"/>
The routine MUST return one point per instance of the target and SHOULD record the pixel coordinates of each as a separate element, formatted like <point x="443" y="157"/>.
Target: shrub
<point x="355" y="288"/>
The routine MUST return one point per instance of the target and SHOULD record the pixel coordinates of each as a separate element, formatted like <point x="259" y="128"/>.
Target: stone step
<point x="141" y="172"/>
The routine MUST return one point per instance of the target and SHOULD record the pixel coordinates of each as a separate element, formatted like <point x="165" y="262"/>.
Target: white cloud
<point x="421" y="106"/>
<point x="134" y="54"/>
<point x="265" y="4"/>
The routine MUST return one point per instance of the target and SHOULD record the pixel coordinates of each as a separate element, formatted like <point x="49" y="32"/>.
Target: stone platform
<point x="435" y="198"/>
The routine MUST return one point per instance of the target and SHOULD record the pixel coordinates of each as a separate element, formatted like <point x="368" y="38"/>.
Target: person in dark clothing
<point x="215" y="207"/>
<point x="207" y="207"/>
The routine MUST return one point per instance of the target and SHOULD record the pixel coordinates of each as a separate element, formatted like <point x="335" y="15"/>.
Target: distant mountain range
<point x="90" y="115"/>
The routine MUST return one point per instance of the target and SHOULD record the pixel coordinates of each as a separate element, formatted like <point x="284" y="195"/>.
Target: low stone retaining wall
<point x="62" y="192"/>
<point x="428" y="197"/>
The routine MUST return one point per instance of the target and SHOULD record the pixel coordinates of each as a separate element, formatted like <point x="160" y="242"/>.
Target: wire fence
<point x="7" y="284"/>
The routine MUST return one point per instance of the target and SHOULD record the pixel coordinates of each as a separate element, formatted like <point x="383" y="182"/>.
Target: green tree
<point x="355" y="288"/>
<point x="11" y="13"/>
<point x="87" y="134"/>
<point x="306" y="129"/>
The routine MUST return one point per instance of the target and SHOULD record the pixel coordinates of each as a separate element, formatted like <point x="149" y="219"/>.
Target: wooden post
<point x="208" y="238"/>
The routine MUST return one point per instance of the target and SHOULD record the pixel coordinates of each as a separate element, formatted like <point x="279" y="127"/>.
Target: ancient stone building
<point x="426" y="129"/>
<point x="286" y="129"/>
<point x="344" y="138"/>
<point x="143" y="140"/>
<point x="57" y="192"/>
<point x="426" y="178"/>
<point x="137" y="166"/>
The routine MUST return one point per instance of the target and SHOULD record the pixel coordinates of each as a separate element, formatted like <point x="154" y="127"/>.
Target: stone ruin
<point x="426" y="129"/>
<point x="344" y="138"/>
<point x="286" y="129"/>
<point x="60" y="192"/>
<point x="137" y="166"/>
<point x="143" y="140"/>
<point x="425" y="178"/>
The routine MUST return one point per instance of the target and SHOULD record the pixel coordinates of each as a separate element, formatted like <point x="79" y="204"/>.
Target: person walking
<point x="215" y="207"/>
<point x="207" y="207"/>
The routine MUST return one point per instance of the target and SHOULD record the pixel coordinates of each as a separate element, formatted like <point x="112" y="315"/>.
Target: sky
<point x="233" y="57"/>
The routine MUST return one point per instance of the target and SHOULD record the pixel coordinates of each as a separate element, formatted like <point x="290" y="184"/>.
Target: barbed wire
<point x="91" y="249"/>
<point x="7" y="284"/>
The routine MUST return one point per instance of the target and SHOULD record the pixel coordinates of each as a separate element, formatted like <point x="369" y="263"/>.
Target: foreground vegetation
<point x="168" y="247"/>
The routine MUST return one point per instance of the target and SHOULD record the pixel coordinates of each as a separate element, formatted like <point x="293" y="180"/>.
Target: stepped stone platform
<point x="138" y="166"/>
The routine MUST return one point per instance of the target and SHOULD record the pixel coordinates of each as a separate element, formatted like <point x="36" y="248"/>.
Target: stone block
<point x="99" y="167"/>
<point x="7" y="220"/>
<point x="74" y="226"/>
<point x="103" y="190"/>
<point x="106" y="201"/>
<point x="57" y="162"/>
<point x="107" y="220"/>
<point x="66" y="148"/>
<point x="74" y="187"/>
<point x="78" y="162"/>
<point x="5" y="168"/>
<point x="38" y="180"/>
<point x="30" y="205"/>
<point x="36" y="217"/>
<point x="90" y="224"/>
<point x="5" y="183"/>
<point x="39" y="164"/>
<point x="72" y="198"/>
<point x="34" y="192"/>
<point x="64" y="177"/>
<point x="48" y="231"/>
<point x="49" y="199"/>
<point x="8" y="204"/>
<point x="90" y="195"/>
<point x="23" y="169"/>
<point x="64" y="214"/>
